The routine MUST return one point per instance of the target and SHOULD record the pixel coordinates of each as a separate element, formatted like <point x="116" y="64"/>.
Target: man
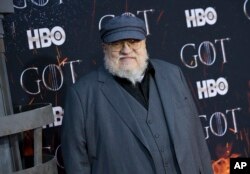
<point x="135" y="115"/>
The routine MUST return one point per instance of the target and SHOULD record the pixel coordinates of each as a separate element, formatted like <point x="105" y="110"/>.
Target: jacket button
<point x="150" y="121"/>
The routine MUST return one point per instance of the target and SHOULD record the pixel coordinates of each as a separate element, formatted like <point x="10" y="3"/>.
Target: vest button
<point x="166" y="164"/>
<point x="156" y="135"/>
<point x="150" y="121"/>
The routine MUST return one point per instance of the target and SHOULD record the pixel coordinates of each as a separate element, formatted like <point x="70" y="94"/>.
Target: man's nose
<point x="126" y="48"/>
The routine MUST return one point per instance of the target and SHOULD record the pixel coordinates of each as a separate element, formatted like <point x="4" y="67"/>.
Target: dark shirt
<point x="140" y="91"/>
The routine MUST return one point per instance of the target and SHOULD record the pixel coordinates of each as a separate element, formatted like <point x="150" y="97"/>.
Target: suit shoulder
<point x="86" y="81"/>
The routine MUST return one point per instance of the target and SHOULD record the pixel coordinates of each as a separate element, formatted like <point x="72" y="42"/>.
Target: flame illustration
<point x="222" y="165"/>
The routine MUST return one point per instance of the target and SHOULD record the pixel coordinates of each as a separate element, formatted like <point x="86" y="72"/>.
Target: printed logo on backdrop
<point x="44" y="37"/>
<point x="205" y="53"/>
<point x="58" y="117"/>
<point x="246" y="9"/>
<point x="199" y="17"/>
<point x="211" y="88"/>
<point x="51" y="77"/>
<point x="218" y="123"/>
<point x="21" y="4"/>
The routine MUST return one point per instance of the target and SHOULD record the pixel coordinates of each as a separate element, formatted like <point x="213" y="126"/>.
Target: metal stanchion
<point x="10" y="156"/>
<point x="12" y="124"/>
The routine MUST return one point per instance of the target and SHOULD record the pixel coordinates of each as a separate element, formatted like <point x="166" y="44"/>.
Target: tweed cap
<point x="125" y="26"/>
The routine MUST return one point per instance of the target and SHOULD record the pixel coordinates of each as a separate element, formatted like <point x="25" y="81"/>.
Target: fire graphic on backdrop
<point x="222" y="165"/>
<point x="224" y="153"/>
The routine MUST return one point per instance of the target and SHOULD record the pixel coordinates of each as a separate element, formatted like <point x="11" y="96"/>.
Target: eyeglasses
<point x="118" y="45"/>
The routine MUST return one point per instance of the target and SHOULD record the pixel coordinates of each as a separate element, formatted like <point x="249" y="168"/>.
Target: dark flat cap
<point x="126" y="26"/>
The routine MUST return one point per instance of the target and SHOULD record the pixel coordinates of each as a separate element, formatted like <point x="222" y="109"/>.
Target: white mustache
<point x="124" y="57"/>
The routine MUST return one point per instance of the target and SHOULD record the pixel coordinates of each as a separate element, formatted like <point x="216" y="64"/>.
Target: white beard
<point x="133" y="75"/>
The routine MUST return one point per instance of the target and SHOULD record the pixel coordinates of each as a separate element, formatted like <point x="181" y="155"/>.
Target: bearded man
<point x="135" y="115"/>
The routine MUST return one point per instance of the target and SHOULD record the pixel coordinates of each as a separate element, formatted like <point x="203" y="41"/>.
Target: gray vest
<point x="153" y="125"/>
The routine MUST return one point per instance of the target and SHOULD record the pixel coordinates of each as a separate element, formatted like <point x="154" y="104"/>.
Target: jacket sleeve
<point x="73" y="138"/>
<point x="204" y="154"/>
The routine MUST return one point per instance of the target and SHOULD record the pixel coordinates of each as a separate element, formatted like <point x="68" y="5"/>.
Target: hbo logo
<point x="210" y="88"/>
<point x="43" y="37"/>
<point x="58" y="113"/>
<point x="199" y="17"/>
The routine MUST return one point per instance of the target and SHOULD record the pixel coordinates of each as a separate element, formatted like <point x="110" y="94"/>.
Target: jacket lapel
<point x="165" y="91"/>
<point x="112" y="91"/>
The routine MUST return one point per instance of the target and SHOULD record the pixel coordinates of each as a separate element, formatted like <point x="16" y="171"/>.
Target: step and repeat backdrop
<point x="51" y="43"/>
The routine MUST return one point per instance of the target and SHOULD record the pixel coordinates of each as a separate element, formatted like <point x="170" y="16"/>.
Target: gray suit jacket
<point x="100" y="134"/>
